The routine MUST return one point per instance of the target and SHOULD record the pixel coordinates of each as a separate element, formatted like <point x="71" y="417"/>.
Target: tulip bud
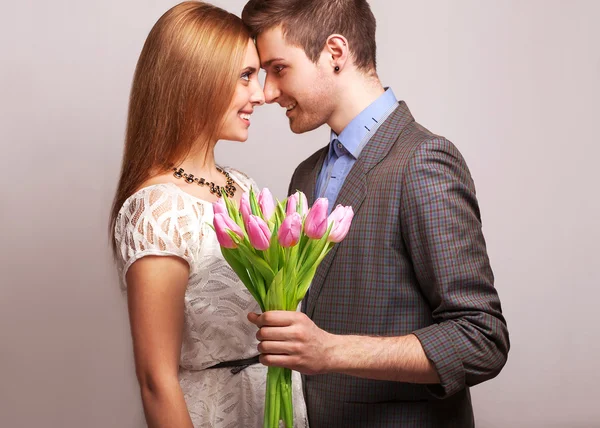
<point x="341" y="218"/>
<point x="222" y="223"/>
<point x="315" y="224"/>
<point x="258" y="232"/>
<point x="289" y="232"/>
<point x="266" y="204"/>
<point x="245" y="207"/>
<point x="219" y="207"/>
<point x="292" y="204"/>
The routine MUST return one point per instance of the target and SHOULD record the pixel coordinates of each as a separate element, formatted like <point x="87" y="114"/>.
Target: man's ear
<point x="337" y="49"/>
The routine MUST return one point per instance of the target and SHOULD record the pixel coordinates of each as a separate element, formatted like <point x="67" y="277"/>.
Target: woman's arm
<point x="155" y="294"/>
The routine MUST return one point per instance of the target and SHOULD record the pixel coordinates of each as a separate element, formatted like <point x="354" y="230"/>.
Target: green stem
<point x="268" y="405"/>
<point x="272" y="400"/>
<point x="277" y="400"/>
<point x="286" y="398"/>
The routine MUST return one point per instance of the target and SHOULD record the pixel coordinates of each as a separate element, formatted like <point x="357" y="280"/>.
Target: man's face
<point x="303" y="88"/>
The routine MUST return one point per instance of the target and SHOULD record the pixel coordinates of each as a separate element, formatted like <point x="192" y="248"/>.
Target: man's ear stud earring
<point x="337" y="68"/>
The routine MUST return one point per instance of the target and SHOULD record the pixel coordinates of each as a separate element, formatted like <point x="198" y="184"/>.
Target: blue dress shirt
<point x="345" y="148"/>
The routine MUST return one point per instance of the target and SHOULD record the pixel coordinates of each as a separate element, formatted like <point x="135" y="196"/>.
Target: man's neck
<point x="354" y="97"/>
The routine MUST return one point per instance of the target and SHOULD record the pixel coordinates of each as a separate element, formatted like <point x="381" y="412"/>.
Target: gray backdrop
<point x="514" y="84"/>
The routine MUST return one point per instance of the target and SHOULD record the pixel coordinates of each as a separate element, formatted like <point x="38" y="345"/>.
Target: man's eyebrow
<point x="268" y="63"/>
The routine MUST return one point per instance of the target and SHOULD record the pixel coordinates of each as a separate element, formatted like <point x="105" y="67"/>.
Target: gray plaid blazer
<point x="414" y="261"/>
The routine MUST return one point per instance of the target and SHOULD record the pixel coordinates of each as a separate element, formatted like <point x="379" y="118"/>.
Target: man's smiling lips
<point x="289" y="108"/>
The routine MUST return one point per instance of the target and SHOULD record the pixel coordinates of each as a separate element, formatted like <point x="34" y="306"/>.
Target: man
<point x="402" y="316"/>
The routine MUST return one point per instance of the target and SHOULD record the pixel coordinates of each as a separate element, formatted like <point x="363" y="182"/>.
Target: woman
<point x="195" y="83"/>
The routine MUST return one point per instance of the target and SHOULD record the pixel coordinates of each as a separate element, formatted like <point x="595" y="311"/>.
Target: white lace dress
<point x="164" y="220"/>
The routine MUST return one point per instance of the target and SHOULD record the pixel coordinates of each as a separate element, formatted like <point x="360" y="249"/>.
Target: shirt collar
<point x="353" y="134"/>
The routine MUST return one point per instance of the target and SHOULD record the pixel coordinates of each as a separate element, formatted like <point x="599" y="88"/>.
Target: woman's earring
<point x="337" y="69"/>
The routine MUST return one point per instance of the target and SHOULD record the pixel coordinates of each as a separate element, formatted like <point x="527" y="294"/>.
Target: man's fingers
<point x="253" y="318"/>
<point x="279" y="348"/>
<point x="275" y="318"/>
<point x="276" y="360"/>
<point x="275" y="333"/>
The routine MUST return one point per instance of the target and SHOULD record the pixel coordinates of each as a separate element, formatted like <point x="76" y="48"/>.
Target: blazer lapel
<point x="352" y="194"/>
<point x="307" y="181"/>
<point x="354" y="189"/>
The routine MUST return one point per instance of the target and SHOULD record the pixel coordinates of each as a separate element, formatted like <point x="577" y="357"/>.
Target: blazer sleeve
<point x="441" y="227"/>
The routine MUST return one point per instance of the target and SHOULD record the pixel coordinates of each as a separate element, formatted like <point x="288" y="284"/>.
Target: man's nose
<point x="271" y="91"/>
<point x="258" y="96"/>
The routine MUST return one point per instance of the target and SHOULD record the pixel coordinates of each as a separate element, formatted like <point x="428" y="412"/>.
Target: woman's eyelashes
<point x="248" y="75"/>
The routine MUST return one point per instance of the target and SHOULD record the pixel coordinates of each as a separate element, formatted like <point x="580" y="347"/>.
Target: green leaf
<point x="254" y="204"/>
<point x="232" y="209"/>
<point x="275" y="294"/>
<point x="240" y="242"/>
<point x="246" y="278"/>
<point x="290" y="274"/>
<point x="261" y="290"/>
<point x="291" y="289"/>
<point x="280" y="210"/>
<point x="303" y="240"/>
<point x="259" y="263"/>
<point x="303" y="284"/>
<point x="316" y="248"/>
<point x="318" y="251"/>
<point x="305" y="246"/>
<point x="273" y="257"/>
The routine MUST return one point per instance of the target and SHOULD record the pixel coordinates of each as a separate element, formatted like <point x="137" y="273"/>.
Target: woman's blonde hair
<point x="184" y="82"/>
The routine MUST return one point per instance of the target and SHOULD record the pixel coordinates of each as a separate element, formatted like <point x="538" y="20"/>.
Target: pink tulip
<point x="266" y="204"/>
<point x="245" y="207"/>
<point x="289" y="232"/>
<point x="222" y="224"/>
<point x="258" y="232"/>
<point x="219" y="207"/>
<point x="341" y="218"/>
<point x="292" y="204"/>
<point x="315" y="224"/>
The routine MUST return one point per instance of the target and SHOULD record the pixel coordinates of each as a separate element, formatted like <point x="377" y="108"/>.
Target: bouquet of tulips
<point x="275" y="249"/>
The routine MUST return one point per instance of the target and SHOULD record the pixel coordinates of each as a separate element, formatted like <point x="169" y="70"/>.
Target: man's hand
<point x="291" y="340"/>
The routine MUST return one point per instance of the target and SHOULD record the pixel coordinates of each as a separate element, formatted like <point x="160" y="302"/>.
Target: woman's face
<point x="248" y="94"/>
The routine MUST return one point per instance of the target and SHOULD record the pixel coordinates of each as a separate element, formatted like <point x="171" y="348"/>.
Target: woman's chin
<point x="240" y="137"/>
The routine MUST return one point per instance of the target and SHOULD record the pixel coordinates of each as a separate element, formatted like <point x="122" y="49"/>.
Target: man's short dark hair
<point x="308" y="24"/>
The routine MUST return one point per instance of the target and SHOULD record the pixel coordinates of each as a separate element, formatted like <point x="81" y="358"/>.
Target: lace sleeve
<point x="159" y="222"/>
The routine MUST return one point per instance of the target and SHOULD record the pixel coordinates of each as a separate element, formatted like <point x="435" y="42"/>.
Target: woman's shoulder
<point x="149" y="192"/>
<point x="158" y="219"/>
<point x="161" y="206"/>
<point x="243" y="179"/>
<point x="162" y="197"/>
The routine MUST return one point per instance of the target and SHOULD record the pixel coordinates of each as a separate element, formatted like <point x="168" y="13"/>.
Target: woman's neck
<point x="201" y="165"/>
